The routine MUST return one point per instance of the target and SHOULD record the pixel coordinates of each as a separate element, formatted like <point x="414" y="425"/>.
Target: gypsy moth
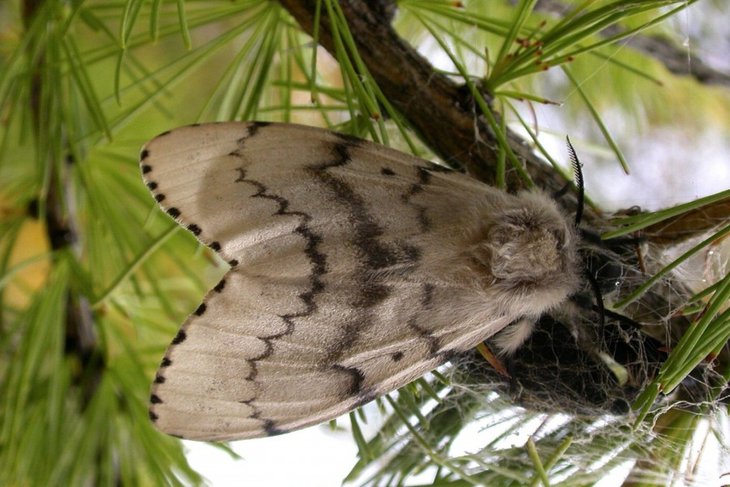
<point x="355" y="269"/>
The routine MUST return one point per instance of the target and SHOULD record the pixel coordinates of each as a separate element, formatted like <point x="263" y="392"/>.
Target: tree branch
<point x="688" y="225"/>
<point x="675" y="59"/>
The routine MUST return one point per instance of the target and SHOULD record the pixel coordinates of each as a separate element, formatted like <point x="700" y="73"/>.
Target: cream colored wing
<point x="354" y="270"/>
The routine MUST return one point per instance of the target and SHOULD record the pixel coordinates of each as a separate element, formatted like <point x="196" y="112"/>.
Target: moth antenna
<point x="625" y="320"/>
<point x="599" y="307"/>
<point x="595" y="238"/>
<point x="578" y="175"/>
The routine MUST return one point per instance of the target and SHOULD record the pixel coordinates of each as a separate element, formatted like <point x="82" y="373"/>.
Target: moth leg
<point x="513" y="336"/>
<point x="493" y="360"/>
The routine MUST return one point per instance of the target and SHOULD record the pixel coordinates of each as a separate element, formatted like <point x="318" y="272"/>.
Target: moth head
<point x="522" y="250"/>
<point x="531" y="242"/>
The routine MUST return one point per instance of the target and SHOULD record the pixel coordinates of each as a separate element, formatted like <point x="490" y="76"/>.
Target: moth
<point x="354" y="269"/>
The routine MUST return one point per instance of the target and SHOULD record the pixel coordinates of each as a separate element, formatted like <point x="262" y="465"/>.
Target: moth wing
<point x="333" y="297"/>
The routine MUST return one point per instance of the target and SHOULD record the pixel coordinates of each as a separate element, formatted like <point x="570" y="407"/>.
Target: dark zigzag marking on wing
<point x="433" y="342"/>
<point x="254" y="127"/>
<point x="375" y="256"/>
<point x="424" y="178"/>
<point x="318" y="261"/>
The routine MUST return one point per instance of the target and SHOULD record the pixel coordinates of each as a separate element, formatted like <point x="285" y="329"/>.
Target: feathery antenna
<point x="578" y="175"/>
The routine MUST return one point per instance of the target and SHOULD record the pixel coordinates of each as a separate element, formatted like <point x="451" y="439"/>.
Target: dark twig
<point x="674" y="58"/>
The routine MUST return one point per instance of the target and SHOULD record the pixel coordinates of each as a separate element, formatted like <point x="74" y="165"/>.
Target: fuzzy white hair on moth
<point x="355" y="269"/>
